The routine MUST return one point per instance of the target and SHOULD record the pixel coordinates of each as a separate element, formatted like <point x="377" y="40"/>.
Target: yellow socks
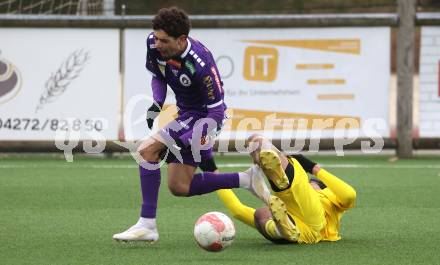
<point x="237" y="209"/>
<point x="272" y="230"/>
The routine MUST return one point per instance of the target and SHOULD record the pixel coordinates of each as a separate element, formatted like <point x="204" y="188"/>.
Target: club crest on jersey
<point x="184" y="80"/>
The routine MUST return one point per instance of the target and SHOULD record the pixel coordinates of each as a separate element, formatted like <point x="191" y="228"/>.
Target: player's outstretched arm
<point x="345" y="193"/>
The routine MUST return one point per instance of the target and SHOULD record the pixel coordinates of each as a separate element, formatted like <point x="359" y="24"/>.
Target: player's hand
<point x="316" y="169"/>
<point x="152" y="113"/>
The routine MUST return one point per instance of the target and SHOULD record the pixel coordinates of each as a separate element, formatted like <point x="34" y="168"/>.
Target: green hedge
<point x="138" y="7"/>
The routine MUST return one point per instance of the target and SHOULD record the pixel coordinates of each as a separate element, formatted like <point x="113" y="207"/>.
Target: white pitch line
<point x="70" y="165"/>
<point x="221" y="165"/>
<point x="379" y="166"/>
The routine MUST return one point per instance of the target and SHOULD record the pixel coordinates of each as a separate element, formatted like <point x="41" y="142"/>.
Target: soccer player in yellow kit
<point x="300" y="210"/>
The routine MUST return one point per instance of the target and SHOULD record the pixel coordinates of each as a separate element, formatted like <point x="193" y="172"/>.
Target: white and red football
<point x="214" y="231"/>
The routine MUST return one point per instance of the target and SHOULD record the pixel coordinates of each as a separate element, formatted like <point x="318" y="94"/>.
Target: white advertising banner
<point x="429" y="98"/>
<point x="294" y="83"/>
<point x="59" y="81"/>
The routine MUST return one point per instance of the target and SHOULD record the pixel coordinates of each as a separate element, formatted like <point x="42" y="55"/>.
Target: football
<point x="214" y="231"/>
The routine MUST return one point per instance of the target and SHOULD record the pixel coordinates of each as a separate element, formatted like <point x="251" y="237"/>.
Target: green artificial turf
<point x="54" y="212"/>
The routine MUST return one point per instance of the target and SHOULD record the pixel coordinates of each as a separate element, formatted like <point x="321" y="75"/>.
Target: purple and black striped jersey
<point x="193" y="76"/>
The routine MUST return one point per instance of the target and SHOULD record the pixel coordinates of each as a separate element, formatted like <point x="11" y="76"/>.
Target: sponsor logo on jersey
<point x="10" y="80"/>
<point x="217" y="79"/>
<point x="190" y="67"/>
<point x="207" y="80"/>
<point x="184" y="80"/>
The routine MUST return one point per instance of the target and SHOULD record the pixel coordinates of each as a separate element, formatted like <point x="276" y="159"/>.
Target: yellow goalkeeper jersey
<point x="317" y="217"/>
<point x="332" y="213"/>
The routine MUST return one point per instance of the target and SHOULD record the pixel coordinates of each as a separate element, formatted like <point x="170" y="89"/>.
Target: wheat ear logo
<point x="58" y="82"/>
<point x="10" y="80"/>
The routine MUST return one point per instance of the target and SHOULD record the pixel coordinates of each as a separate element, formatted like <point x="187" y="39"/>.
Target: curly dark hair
<point x="173" y="20"/>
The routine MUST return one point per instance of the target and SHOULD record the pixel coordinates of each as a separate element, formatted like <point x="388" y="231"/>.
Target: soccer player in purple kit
<point x="188" y="67"/>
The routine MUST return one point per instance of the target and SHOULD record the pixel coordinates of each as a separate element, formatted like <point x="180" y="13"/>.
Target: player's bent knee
<point x="179" y="190"/>
<point x="150" y="149"/>
<point x="149" y="156"/>
<point x="261" y="216"/>
<point x="260" y="211"/>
